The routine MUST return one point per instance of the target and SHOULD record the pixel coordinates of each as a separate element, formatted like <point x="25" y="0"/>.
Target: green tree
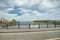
<point x="41" y="21"/>
<point x="12" y="22"/>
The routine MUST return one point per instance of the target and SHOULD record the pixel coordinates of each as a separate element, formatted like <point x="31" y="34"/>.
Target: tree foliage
<point x="12" y="22"/>
<point x="41" y="21"/>
<point x="8" y="23"/>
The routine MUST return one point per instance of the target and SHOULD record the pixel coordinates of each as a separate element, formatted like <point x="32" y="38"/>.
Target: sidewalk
<point x="26" y="30"/>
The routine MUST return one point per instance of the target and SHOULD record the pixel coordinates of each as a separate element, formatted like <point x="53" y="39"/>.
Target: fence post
<point x="39" y="25"/>
<point x="29" y="26"/>
<point x="7" y="26"/>
<point x="47" y="25"/>
<point x="55" y="24"/>
<point x="18" y="25"/>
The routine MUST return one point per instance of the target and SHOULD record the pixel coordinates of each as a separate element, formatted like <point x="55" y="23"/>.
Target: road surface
<point x="30" y="35"/>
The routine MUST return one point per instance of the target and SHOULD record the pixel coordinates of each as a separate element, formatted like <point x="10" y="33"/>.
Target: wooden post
<point x="29" y="26"/>
<point x="18" y="25"/>
<point x="39" y="25"/>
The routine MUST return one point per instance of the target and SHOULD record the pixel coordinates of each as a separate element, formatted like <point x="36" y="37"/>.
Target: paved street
<point x="30" y="35"/>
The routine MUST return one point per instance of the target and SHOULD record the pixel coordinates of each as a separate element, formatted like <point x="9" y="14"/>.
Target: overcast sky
<point x="28" y="10"/>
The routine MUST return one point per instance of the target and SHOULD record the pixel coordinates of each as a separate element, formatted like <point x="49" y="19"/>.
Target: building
<point x="3" y="22"/>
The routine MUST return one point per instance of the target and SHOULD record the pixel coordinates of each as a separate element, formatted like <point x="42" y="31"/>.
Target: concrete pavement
<point x="30" y="35"/>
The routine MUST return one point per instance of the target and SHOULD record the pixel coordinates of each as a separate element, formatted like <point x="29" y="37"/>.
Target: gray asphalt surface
<point x="30" y="35"/>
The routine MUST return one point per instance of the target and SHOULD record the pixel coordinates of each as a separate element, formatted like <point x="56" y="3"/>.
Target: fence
<point x="30" y="25"/>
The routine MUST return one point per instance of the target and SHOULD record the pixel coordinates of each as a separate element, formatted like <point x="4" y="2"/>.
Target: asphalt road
<point x="30" y="35"/>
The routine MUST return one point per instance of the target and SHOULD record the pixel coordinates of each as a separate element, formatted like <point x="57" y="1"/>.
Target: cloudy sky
<point x="28" y="10"/>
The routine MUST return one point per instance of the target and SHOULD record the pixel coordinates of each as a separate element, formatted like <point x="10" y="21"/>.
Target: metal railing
<point x="18" y="25"/>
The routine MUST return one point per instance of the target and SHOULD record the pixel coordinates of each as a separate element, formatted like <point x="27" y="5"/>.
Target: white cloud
<point x="53" y="14"/>
<point x="21" y="2"/>
<point x="28" y="13"/>
<point x="37" y="13"/>
<point x="3" y="5"/>
<point x="7" y="15"/>
<point x="46" y="4"/>
<point x="25" y="11"/>
<point x="9" y="9"/>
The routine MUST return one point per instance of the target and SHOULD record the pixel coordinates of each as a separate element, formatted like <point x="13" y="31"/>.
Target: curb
<point x="27" y="30"/>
